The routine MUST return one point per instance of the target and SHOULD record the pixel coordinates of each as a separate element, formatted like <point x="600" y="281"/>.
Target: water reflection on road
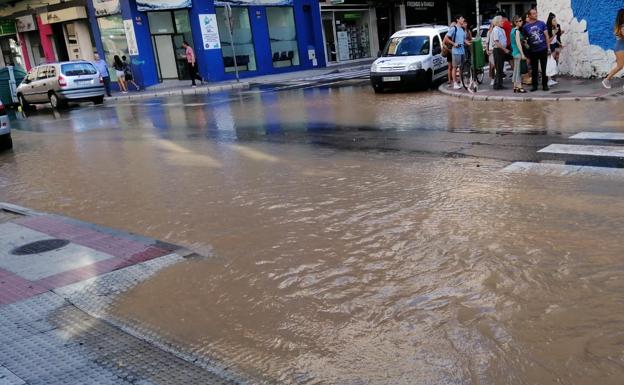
<point x="347" y="267"/>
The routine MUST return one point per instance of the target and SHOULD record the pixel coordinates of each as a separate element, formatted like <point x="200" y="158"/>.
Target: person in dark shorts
<point x="128" y="73"/>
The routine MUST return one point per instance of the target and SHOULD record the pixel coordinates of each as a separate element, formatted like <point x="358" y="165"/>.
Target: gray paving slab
<point x="9" y="378"/>
<point x="611" y="136"/>
<point x="585" y="150"/>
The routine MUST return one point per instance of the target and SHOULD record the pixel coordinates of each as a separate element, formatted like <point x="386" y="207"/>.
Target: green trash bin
<point x="478" y="58"/>
<point x="10" y="78"/>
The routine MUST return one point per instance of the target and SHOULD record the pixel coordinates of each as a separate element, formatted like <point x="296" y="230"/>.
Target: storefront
<point x="350" y="31"/>
<point x="71" y="35"/>
<point x="10" y="45"/>
<point x="29" y="38"/>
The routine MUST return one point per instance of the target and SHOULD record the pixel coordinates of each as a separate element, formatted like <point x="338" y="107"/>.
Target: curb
<point x="492" y="98"/>
<point x="181" y="91"/>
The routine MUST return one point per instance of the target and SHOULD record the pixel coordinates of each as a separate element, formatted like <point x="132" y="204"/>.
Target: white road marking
<point x="617" y="136"/>
<point x="573" y="149"/>
<point x="549" y="169"/>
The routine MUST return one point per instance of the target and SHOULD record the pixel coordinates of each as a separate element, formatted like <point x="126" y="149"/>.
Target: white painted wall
<point x="579" y="57"/>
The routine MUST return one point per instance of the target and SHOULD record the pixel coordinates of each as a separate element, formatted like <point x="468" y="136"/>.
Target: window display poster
<point x="343" y="45"/>
<point x="106" y="7"/>
<point x="209" y="31"/>
<point x="133" y="47"/>
<point x="155" y="5"/>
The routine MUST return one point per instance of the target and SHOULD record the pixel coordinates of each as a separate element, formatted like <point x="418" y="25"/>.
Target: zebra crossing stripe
<point x="550" y="169"/>
<point x="589" y="150"/>
<point x="614" y="136"/>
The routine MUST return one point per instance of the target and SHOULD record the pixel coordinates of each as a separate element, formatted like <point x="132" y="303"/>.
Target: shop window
<point x="160" y="22"/>
<point x="113" y="38"/>
<point x="353" y="35"/>
<point x="283" y="36"/>
<point x="240" y="46"/>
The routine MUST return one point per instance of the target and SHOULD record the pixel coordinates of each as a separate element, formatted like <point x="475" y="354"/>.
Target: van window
<point x="51" y="72"/>
<point x="407" y="46"/>
<point x="437" y="47"/>
<point x="32" y="75"/>
<point x="75" y="69"/>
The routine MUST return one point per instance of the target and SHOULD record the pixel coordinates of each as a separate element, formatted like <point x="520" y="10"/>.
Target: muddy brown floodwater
<point x="348" y="267"/>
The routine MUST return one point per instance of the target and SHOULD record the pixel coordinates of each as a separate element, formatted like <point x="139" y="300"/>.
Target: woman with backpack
<point x="118" y="66"/>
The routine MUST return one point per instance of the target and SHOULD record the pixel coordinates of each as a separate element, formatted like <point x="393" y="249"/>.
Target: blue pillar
<point x="144" y="67"/>
<point x="209" y="61"/>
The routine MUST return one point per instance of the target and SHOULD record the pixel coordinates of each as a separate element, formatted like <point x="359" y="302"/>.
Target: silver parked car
<point x="60" y="83"/>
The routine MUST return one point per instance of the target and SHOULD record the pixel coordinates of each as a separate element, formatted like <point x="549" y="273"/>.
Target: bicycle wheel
<point x="466" y="75"/>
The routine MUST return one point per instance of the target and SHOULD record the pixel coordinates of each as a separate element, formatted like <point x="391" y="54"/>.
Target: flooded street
<point x="351" y="238"/>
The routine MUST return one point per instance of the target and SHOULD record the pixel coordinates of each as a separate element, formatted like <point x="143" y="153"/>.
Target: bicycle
<point x="471" y="71"/>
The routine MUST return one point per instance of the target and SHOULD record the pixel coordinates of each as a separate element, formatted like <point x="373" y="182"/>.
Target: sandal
<point x="521" y="90"/>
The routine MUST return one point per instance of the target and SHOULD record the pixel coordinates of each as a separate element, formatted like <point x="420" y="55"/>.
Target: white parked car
<point x="412" y="58"/>
<point x="6" y="142"/>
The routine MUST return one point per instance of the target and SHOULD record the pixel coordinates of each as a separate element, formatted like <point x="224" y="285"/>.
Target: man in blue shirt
<point x="102" y="68"/>
<point x="456" y="37"/>
<point x="539" y="47"/>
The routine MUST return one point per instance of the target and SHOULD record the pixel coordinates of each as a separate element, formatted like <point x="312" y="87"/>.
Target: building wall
<point x="588" y="39"/>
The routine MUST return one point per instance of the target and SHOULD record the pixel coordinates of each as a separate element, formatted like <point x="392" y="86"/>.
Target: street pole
<point x="478" y="19"/>
<point x="228" y="14"/>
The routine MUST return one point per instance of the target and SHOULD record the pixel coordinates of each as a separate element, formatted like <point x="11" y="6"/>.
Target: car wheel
<point x="430" y="81"/>
<point x="378" y="88"/>
<point x="6" y="142"/>
<point x="55" y="101"/>
<point x="98" y="100"/>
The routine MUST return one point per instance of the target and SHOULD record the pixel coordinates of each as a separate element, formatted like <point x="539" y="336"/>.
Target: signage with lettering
<point x="254" y="2"/>
<point x="210" y="31"/>
<point x="420" y="5"/>
<point x="7" y="27"/>
<point x="133" y="47"/>
<point x="106" y="7"/>
<point x="67" y="14"/>
<point x="156" y="5"/>
<point x="25" y="23"/>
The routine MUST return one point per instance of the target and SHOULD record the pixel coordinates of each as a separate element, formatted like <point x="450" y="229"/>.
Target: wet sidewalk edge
<point x="69" y="326"/>
<point x="499" y="96"/>
<point x="199" y="90"/>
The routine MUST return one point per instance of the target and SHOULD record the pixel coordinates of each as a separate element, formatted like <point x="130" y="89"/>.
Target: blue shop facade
<point x="257" y="37"/>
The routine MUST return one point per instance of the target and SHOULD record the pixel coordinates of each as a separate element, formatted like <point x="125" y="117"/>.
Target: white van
<point x="412" y="58"/>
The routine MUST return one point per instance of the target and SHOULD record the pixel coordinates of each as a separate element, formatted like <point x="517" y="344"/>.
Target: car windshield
<point x="75" y="69"/>
<point x="407" y="46"/>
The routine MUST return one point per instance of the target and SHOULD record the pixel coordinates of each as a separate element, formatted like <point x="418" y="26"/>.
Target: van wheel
<point x="98" y="100"/>
<point x="430" y="81"/>
<point x="55" y="101"/>
<point x="378" y="88"/>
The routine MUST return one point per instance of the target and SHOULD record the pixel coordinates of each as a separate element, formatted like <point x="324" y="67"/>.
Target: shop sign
<point x="343" y="45"/>
<point x="106" y="7"/>
<point x="336" y="1"/>
<point x="67" y="14"/>
<point x="209" y="31"/>
<point x="155" y="5"/>
<point x="25" y="23"/>
<point x="421" y="5"/>
<point x="7" y="27"/>
<point x="254" y="2"/>
<point x="133" y="47"/>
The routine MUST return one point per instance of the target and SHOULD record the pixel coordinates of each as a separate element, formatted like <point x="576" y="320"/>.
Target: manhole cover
<point x="561" y="92"/>
<point x="40" y="246"/>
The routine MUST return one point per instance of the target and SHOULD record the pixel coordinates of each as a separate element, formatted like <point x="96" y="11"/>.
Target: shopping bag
<point x="551" y="66"/>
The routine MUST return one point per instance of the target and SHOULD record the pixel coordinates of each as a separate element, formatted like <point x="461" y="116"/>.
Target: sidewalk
<point x="568" y="89"/>
<point x="58" y="280"/>
<point x="183" y="87"/>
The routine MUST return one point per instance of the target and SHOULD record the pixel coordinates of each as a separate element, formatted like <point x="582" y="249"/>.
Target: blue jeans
<point x="106" y="80"/>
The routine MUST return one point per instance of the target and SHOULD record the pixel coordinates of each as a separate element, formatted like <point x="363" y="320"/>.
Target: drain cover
<point x="40" y="246"/>
<point x="561" y="92"/>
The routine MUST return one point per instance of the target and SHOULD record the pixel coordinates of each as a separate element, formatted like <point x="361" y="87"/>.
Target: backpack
<point x="446" y="50"/>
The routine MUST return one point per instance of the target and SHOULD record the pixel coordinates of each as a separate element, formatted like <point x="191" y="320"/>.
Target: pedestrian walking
<point x="118" y="66"/>
<point x="191" y="63"/>
<point x="517" y="52"/>
<point x="555" y="32"/>
<point x="619" y="48"/>
<point x="539" y="48"/>
<point x="102" y="68"/>
<point x="127" y="68"/>
<point x="500" y="51"/>
<point x="457" y="38"/>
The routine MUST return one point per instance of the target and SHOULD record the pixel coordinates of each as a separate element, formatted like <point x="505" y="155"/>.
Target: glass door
<point x="165" y="54"/>
<point x="330" y="36"/>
